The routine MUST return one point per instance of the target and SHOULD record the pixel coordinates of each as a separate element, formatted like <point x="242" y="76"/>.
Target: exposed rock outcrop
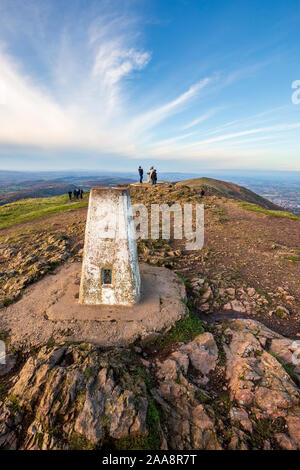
<point x="74" y="396"/>
<point x="232" y="387"/>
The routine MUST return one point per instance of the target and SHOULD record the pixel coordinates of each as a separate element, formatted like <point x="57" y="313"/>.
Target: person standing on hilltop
<point x="153" y="176"/>
<point x="141" y="173"/>
<point x="150" y="173"/>
<point x="70" y="195"/>
<point x="81" y="193"/>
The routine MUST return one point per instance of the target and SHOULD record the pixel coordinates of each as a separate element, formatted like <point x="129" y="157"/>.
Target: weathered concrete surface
<point x="50" y="309"/>
<point x="157" y="284"/>
<point x="110" y="244"/>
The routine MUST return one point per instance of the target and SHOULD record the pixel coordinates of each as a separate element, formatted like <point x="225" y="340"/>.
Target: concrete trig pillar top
<point x="110" y="270"/>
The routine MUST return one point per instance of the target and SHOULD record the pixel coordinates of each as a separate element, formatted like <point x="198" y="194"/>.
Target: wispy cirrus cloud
<point x="30" y="116"/>
<point x="84" y="104"/>
<point x="200" y="119"/>
<point x="83" y="91"/>
<point x="150" y="119"/>
<point x="273" y="129"/>
<point x="218" y="147"/>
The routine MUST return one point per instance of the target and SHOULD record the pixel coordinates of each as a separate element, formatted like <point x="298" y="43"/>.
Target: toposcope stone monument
<point x="109" y="299"/>
<point x="110" y="270"/>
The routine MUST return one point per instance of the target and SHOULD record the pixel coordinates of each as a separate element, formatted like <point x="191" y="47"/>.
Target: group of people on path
<point x="77" y="193"/>
<point x="152" y="175"/>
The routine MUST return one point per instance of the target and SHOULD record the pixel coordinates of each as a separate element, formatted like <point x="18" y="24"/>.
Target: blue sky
<point x="183" y="84"/>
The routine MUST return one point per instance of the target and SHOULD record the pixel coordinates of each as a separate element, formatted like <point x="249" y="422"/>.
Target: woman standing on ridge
<point x="154" y="176"/>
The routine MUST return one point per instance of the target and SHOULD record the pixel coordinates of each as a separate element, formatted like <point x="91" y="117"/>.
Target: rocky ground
<point x="249" y="264"/>
<point x="222" y="378"/>
<point x="227" y="388"/>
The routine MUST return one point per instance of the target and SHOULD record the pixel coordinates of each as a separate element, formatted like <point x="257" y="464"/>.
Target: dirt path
<point x="247" y="248"/>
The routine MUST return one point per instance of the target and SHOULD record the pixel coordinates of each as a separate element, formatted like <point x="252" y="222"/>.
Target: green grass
<point x="290" y="258"/>
<point x="88" y="372"/>
<point x="80" y="442"/>
<point x="142" y="442"/>
<point x="265" y="429"/>
<point x="30" y="209"/>
<point x="186" y="282"/>
<point x="263" y="293"/>
<point x="183" y="331"/>
<point x="4" y="387"/>
<point x="13" y="403"/>
<point x="289" y="368"/>
<point x="254" y="208"/>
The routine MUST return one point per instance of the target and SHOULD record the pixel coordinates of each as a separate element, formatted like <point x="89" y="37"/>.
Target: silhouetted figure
<point x="202" y="192"/>
<point x="154" y="176"/>
<point x="76" y="193"/>
<point x="70" y="195"/>
<point x="141" y="173"/>
<point x="81" y="193"/>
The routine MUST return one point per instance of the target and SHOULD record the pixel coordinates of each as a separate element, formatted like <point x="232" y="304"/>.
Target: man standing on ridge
<point x="153" y="176"/>
<point x="141" y="173"/>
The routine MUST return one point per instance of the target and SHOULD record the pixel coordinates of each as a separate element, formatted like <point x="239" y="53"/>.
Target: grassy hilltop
<point x="219" y="188"/>
<point x="218" y="379"/>
<point x="243" y="240"/>
<point x="25" y="210"/>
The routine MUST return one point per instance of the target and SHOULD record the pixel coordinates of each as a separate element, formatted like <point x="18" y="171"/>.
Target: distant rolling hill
<point x="29" y="209"/>
<point x="49" y="188"/>
<point x="219" y="188"/>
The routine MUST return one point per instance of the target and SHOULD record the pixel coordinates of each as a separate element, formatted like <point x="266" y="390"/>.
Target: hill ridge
<point x="227" y="189"/>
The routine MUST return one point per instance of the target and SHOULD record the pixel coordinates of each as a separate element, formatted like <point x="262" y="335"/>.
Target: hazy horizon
<point x="271" y="175"/>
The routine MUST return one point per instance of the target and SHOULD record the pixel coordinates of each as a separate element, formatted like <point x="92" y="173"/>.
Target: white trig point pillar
<point x="110" y="270"/>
